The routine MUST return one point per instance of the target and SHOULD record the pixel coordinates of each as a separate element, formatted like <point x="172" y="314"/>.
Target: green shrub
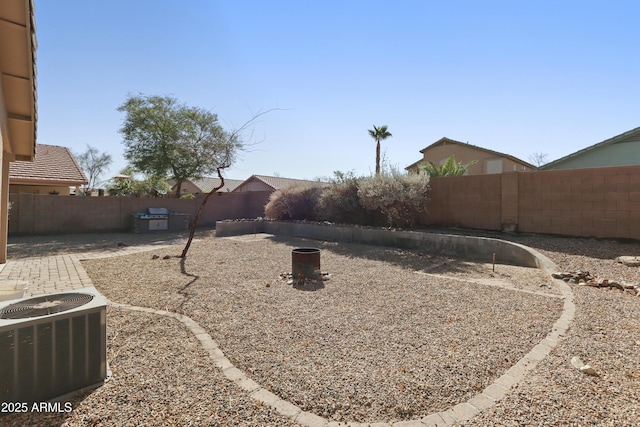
<point x="188" y="196"/>
<point x="295" y="202"/>
<point x="399" y="197"/>
<point x="121" y="187"/>
<point x="152" y="186"/>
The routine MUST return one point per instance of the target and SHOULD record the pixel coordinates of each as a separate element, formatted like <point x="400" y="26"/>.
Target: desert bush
<point x="399" y="197"/>
<point x="339" y="202"/>
<point x="294" y="202"/>
<point x="151" y="186"/>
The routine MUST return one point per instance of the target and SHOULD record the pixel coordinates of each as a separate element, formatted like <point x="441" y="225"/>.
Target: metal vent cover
<point x="44" y="305"/>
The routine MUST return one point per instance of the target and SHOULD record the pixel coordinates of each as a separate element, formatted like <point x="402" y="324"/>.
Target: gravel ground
<point x="33" y="246"/>
<point x="375" y="342"/>
<point x="605" y="334"/>
<point x="154" y="384"/>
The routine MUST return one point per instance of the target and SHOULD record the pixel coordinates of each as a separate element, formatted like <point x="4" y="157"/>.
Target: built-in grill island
<point x="159" y="219"/>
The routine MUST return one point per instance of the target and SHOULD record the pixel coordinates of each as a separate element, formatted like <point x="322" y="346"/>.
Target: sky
<point x="547" y="77"/>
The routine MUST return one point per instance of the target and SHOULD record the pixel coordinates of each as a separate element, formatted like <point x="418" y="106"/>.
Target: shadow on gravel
<point x="415" y="260"/>
<point x="583" y="246"/>
<point x="51" y="245"/>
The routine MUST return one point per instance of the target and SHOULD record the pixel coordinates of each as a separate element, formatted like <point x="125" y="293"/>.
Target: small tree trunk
<point x="378" y="158"/>
<point x="194" y="224"/>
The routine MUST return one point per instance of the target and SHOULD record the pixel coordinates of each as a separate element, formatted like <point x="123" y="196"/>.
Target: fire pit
<point x="305" y="265"/>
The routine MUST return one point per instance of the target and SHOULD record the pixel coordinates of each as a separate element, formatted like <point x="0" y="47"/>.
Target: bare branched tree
<point x="538" y="159"/>
<point x="94" y="165"/>
<point x="226" y="155"/>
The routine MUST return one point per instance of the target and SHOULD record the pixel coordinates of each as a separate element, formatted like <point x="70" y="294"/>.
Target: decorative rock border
<point x="231" y="372"/>
<point x="583" y="278"/>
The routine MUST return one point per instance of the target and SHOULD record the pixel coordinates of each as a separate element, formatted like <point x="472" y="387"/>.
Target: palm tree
<point x="379" y="134"/>
<point x="449" y="168"/>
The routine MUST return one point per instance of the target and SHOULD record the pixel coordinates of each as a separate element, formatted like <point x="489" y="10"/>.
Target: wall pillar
<point x="509" y="199"/>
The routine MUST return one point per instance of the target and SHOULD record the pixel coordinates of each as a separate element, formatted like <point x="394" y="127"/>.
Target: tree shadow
<point x="51" y="245"/>
<point x="184" y="289"/>
<point x="411" y="259"/>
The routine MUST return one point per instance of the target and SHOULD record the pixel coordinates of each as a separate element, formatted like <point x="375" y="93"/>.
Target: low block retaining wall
<point x="470" y="247"/>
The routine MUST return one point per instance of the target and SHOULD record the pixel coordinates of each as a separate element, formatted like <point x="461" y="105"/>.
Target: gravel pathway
<point x="392" y="335"/>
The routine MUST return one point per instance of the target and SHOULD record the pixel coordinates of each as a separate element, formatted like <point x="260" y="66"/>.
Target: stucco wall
<point x="253" y="185"/>
<point x="40" y="189"/>
<point x="621" y="153"/>
<point x="465" y="154"/>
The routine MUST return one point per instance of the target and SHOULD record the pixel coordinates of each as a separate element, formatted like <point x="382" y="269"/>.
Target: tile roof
<point x="277" y="182"/>
<point x="52" y="165"/>
<point x="207" y="184"/>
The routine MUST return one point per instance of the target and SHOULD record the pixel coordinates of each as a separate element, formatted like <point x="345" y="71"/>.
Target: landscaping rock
<point x="629" y="261"/>
<point x="582" y="367"/>
<point x="585" y="279"/>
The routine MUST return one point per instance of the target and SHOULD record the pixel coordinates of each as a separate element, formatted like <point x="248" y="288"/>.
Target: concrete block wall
<point x="466" y="202"/>
<point x="33" y="214"/>
<point x="594" y="202"/>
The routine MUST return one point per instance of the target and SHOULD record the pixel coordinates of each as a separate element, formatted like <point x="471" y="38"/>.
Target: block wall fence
<point x="35" y="214"/>
<point x="595" y="202"/>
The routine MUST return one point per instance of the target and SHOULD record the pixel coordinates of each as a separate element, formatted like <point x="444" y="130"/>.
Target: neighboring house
<point x="621" y="150"/>
<point x="204" y="185"/>
<point x="487" y="161"/>
<point x="271" y="183"/>
<point x="53" y="171"/>
<point x="18" y="106"/>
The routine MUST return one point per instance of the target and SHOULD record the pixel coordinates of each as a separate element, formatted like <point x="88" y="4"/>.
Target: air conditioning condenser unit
<point x="52" y="345"/>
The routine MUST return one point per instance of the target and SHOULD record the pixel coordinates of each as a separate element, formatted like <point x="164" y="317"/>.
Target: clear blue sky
<point x="515" y="77"/>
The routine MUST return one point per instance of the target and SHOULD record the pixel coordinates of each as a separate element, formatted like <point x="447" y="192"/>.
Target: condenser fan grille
<point x="42" y="306"/>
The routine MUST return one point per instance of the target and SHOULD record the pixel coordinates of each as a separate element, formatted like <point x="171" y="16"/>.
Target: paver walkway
<point x="65" y="272"/>
<point x="59" y="273"/>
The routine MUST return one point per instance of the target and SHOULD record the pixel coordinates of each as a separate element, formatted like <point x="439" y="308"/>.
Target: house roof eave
<point x="613" y="140"/>
<point x="445" y="140"/>
<point x="18" y="78"/>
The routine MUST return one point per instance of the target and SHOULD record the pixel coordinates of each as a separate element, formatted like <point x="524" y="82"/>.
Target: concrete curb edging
<point x="477" y="248"/>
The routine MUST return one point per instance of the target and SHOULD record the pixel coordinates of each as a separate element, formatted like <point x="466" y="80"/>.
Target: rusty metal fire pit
<point x="305" y="265"/>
